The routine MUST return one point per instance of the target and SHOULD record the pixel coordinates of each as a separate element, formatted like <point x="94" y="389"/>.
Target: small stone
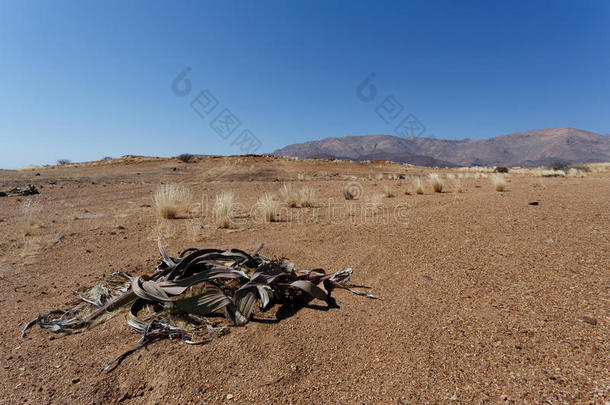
<point x="75" y="380"/>
<point x="229" y="396"/>
<point x="589" y="320"/>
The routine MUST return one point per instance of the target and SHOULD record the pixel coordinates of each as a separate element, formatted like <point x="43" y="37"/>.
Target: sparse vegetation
<point x="419" y="188"/>
<point x="63" y="161"/>
<point x="559" y="165"/>
<point x="30" y="211"/>
<point x="289" y="195"/>
<point x="185" y="157"/>
<point x="269" y="207"/>
<point x="499" y="182"/>
<point x="223" y="209"/>
<point x="171" y="199"/>
<point x="501" y="169"/>
<point x="307" y="197"/>
<point x="387" y="191"/>
<point x="436" y="182"/>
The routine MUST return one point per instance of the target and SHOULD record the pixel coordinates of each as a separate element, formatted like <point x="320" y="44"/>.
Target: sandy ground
<point x="485" y="299"/>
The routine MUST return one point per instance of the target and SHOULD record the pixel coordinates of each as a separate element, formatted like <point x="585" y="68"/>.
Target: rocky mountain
<point x="529" y="148"/>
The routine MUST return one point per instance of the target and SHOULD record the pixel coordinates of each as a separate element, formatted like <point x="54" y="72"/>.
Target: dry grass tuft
<point x="458" y="187"/>
<point x="171" y="199"/>
<point x="387" y="191"/>
<point x="436" y="182"/>
<point x="307" y="197"/>
<point x="499" y="182"/>
<point x="269" y="207"/>
<point x="223" y="209"/>
<point x="289" y="195"/>
<point x="419" y="188"/>
<point x="30" y="211"/>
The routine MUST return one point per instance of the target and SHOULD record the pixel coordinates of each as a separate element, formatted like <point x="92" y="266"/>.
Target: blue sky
<point x="81" y="80"/>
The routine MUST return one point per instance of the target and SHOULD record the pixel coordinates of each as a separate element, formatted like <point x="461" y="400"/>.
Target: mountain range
<point x="527" y="149"/>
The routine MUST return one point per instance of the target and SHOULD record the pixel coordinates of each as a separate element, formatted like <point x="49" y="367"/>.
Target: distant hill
<point x="529" y="148"/>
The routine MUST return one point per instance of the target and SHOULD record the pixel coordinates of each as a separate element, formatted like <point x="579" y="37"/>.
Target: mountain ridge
<point x="527" y="148"/>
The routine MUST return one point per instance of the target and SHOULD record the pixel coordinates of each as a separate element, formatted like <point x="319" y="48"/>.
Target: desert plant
<point x="223" y="209"/>
<point x="307" y="196"/>
<point x="436" y="182"/>
<point x="379" y="176"/>
<point x="559" y="165"/>
<point x="30" y="211"/>
<point x="387" y="191"/>
<point x="185" y="157"/>
<point x="501" y="169"/>
<point x="499" y="182"/>
<point x="289" y="195"/>
<point x="419" y="188"/>
<point x="269" y="207"/>
<point x="171" y="199"/>
<point x="63" y="161"/>
<point x="171" y="302"/>
<point x="458" y="187"/>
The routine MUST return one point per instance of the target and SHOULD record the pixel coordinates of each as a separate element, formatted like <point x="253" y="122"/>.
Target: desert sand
<point x="484" y="298"/>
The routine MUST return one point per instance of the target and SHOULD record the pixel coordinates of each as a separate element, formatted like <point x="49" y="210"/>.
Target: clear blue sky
<point x="81" y="80"/>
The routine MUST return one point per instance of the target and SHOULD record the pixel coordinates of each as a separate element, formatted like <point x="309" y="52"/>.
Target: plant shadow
<point x="291" y="307"/>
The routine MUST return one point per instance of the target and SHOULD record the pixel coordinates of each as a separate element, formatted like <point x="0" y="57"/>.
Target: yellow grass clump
<point x="307" y="197"/>
<point x="289" y="195"/>
<point x="436" y="182"/>
<point x="269" y="207"/>
<point x="223" y="209"/>
<point x="419" y="188"/>
<point x="30" y="211"/>
<point x="171" y="199"/>
<point x="499" y="182"/>
<point x="387" y="191"/>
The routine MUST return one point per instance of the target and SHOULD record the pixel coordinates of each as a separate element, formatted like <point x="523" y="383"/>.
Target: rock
<point x="75" y="380"/>
<point x="589" y="320"/>
<point x="533" y="203"/>
<point x="229" y="396"/>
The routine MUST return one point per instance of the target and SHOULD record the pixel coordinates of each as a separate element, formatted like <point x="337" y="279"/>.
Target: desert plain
<point x="483" y="297"/>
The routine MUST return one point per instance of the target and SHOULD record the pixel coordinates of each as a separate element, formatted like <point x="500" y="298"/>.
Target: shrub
<point x="387" y="191"/>
<point x="63" y="161"/>
<point x="436" y="182"/>
<point x="269" y="207"/>
<point x="307" y="196"/>
<point x="501" y="169"/>
<point x="289" y="195"/>
<point x="223" y="209"/>
<point x="559" y="165"/>
<point x="185" y="157"/>
<point x="171" y="199"/>
<point x="419" y="188"/>
<point x="499" y="182"/>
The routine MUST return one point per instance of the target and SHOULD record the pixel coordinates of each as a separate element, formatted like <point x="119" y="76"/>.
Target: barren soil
<point x="484" y="298"/>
